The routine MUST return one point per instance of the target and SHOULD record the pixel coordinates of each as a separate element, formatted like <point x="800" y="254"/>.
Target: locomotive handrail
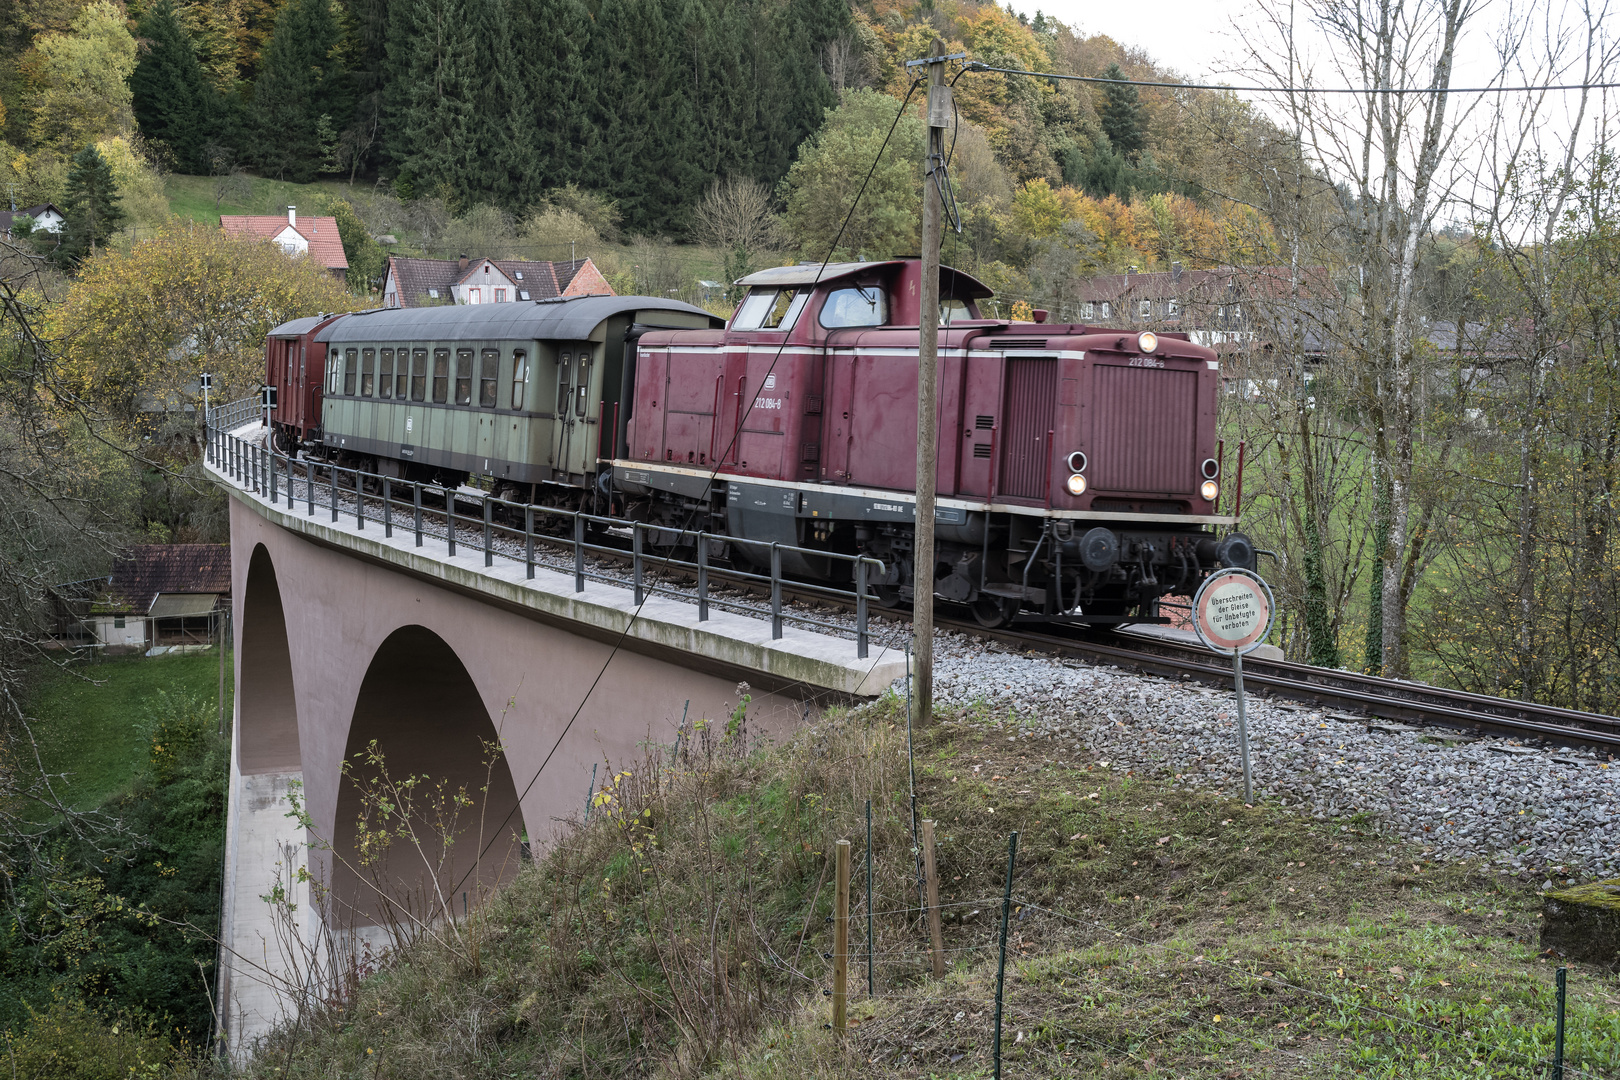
<point x="265" y="471"/>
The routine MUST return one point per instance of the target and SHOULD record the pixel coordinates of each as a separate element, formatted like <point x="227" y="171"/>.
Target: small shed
<point x="162" y="596"/>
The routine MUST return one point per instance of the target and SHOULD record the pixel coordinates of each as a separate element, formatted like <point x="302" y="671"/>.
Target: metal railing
<point x="276" y="476"/>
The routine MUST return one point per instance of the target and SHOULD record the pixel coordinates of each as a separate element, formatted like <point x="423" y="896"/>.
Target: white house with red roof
<point x="411" y="283"/>
<point x="316" y="237"/>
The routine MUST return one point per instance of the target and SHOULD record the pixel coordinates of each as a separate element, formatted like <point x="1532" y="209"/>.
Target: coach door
<point x="1030" y="411"/>
<point x="575" y="424"/>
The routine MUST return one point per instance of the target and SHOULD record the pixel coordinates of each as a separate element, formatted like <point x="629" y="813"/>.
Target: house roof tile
<point x="141" y="574"/>
<point x="325" y="245"/>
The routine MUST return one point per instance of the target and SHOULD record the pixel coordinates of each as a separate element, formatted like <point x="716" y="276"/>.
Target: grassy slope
<point x="193" y="197"/>
<point x="1202" y="939"/>
<point x="91" y="722"/>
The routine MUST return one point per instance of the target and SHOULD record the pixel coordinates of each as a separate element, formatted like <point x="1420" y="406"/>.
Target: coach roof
<point x="572" y="318"/>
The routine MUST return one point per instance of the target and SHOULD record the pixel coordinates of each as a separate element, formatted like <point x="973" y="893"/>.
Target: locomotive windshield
<point x="770" y="309"/>
<point x="860" y="306"/>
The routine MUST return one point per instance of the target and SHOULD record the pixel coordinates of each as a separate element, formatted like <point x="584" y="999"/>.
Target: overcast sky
<point x="1187" y="35"/>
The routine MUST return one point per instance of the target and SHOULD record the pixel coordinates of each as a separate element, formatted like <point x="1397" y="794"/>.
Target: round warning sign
<point x="1232" y="611"/>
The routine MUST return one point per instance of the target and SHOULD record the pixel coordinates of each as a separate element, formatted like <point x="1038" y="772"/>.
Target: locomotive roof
<point x="962" y="285"/>
<point x="573" y="318"/>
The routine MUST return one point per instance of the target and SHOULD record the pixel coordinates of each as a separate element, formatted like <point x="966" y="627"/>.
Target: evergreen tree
<point x="797" y="94"/>
<point x="620" y="102"/>
<point x="555" y="35"/>
<point x="90" y="204"/>
<point x="174" y="103"/>
<point x="501" y="131"/>
<point x="431" y="99"/>
<point x="1122" y="116"/>
<point x="304" y="94"/>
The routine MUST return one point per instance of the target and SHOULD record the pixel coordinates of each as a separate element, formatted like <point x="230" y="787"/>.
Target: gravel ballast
<point x="1528" y="810"/>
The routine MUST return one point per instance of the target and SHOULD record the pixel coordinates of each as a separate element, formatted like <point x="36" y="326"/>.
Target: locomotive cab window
<point x="385" y="373"/>
<point x="351" y="361"/>
<point x="520" y="376"/>
<point x="489" y="367"/>
<point x="368" y="369"/>
<point x="464" y="359"/>
<point x="770" y="309"/>
<point x="441" y="376"/>
<point x="419" y="375"/>
<point x="861" y="306"/>
<point x="953" y="311"/>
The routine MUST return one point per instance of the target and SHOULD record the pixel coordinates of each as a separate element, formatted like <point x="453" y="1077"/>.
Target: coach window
<point x="584" y="380"/>
<point x="332" y="371"/>
<point x="368" y="370"/>
<point x="489" y="369"/>
<point x="463" y="376"/>
<point x="402" y="375"/>
<point x="418" y="375"/>
<point x="861" y="306"/>
<point x="563" y="360"/>
<point x="441" y="375"/>
<point x="520" y="376"/>
<point x="351" y="360"/>
<point x="385" y="372"/>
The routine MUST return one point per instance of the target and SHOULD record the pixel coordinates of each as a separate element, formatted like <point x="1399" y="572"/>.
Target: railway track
<point x="1354" y="696"/>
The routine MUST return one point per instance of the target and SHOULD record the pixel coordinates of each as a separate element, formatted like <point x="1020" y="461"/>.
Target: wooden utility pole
<point x="936" y="941"/>
<point x="840" y="993"/>
<point x="922" y="610"/>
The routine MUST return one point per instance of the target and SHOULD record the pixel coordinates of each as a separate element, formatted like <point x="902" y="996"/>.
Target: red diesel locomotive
<point x="1078" y="472"/>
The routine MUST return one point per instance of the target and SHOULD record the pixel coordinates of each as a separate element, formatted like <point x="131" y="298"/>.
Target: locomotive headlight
<point x="1147" y="341"/>
<point x="1077" y="485"/>
<point x="1209" y="489"/>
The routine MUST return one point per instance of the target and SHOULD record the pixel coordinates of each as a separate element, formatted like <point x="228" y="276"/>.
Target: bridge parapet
<point x="379" y="517"/>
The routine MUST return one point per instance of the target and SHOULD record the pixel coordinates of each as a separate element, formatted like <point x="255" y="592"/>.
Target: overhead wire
<point x="977" y="66"/>
<point x="743" y="414"/>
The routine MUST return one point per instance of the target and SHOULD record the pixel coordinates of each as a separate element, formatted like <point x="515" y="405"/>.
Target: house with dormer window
<point x="411" y="283"/>
<point x="316" y="237"/>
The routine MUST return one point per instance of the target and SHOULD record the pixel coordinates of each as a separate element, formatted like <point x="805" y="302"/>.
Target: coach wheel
<point x="282" y="442"/>
<point x="993" y="612"/>
<point x="886" y="596"/>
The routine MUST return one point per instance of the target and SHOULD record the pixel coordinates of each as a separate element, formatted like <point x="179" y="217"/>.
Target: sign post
<point x="207" y="382"/>
<point x="1232" y="614"/>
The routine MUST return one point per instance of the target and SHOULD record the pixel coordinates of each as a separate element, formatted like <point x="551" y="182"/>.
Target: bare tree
<point x="1399" y="150"/>
<point x="735" y="216"/>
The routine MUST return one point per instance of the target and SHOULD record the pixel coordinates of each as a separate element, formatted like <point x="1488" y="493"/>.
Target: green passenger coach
<point x="528" y="394"/>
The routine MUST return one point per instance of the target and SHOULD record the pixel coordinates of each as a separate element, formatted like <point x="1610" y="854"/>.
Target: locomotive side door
<point x="980" y="427"/>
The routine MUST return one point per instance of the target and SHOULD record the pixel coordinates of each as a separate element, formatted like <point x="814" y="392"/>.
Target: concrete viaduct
<point x="347" y="640"/>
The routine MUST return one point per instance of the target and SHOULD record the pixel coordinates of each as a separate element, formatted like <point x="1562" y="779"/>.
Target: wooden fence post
<point x="931" y="874"/>
<point x="841" y="939"/>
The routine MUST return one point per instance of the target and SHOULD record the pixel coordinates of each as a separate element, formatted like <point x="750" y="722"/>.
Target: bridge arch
<point x="419" y="715"/>
<point x="267" y="715"/>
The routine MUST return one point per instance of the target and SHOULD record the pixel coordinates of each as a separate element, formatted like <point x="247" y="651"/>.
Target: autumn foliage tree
<point x="138" y="327"/>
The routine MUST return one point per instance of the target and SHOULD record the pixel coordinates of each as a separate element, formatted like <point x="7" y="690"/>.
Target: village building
<point x="410" y="283"/>
<point x="158" y="597"/>
<point x="316" y="237"/>
<point x="46" y="218"/>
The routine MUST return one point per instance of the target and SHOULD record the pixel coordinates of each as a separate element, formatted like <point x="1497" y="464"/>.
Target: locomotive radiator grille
<point x="1144" y="421"/>
<point x="1026" y="456"/>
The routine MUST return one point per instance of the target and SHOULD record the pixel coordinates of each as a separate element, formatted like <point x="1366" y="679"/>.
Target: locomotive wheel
<point x="994" y="612"/>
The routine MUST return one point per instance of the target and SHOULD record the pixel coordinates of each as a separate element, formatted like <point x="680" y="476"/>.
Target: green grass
<point x="193" y="197"/>
<point x="91" y="722"/>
